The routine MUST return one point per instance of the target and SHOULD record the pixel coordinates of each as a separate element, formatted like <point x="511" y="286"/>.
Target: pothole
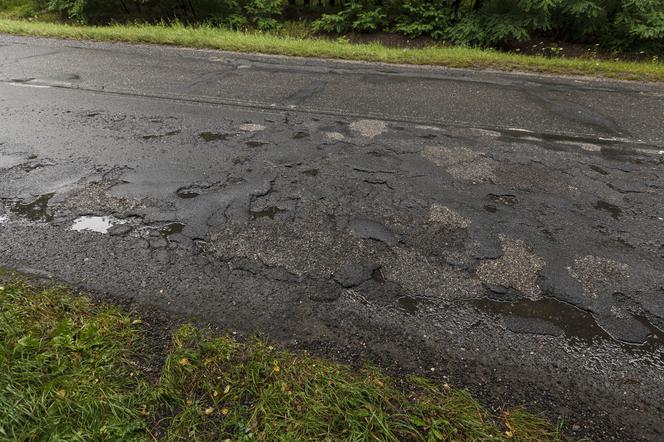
<point x="614" y="210"/>
<point x="188" y="193"/>
<point x="410" y="304"/>
<point x="268" y="212"/>
<point x="572" y="321"/>
<point x="171" y="229"/>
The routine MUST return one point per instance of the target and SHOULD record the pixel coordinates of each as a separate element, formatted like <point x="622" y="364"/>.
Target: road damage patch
<point x="517" y="269"/>
<point x="598" y="275"/>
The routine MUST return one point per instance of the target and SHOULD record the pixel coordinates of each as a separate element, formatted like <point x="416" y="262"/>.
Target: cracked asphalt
<point x="504" y="232"/>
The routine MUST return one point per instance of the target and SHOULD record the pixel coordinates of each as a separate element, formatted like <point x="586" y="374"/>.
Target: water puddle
<point x="574" y="322"/>
<point x="157" y="136"/>
<point x="188" y="193"/>
<point x="99" y="224"/>
<point x="171" y="229"/>
<point x="377" y="275"/>
<point x="599" y="170"/>
<point x="268" y="212"/>
<point x="614" y="149"/>
<point x="212" y="136"/>
<point x="614" y="210"/>
<point x="36" y="210"/>
<point x="256" y="143"/>
<point x="310" y="172"/>
<point x="411" y="305"/>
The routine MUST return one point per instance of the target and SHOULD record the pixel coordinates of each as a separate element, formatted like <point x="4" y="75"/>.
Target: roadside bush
<point x="616" y="24"/>
<point x="22" y="8"/>
<point x="259" y="14"/>
<point x="634" y="25"/>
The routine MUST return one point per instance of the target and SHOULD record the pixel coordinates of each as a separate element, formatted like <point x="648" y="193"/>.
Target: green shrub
<point x="260" y="14"/>
<point x="634" y="25"/>
<point x="616" y="24"/>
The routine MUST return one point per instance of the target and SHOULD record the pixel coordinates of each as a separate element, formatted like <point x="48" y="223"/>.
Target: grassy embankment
<point x="71" y="369"/>
<point x="216" y="38"/>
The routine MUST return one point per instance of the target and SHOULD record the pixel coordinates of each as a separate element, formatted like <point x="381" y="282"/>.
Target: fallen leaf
<point x="209" y="411"/>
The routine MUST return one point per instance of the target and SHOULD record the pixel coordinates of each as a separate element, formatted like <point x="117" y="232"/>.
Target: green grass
<point x="69" y="370"/>
<point x="216" y="38"/>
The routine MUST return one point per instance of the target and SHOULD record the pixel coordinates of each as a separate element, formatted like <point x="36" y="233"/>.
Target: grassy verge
<point x="216" y="38"/>
<point x="69" y="371"/>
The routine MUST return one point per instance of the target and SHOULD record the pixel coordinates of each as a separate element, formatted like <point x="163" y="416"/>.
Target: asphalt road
<point x="504" y="232"/>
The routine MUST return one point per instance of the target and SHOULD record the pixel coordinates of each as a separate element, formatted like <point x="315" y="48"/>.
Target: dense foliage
<point x="615" y="24"/>
<point x="618" y="24"/>
<point x="259" y="14"/>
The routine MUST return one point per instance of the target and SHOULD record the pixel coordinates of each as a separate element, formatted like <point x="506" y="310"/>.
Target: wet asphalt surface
<point x="503" y="232"/>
